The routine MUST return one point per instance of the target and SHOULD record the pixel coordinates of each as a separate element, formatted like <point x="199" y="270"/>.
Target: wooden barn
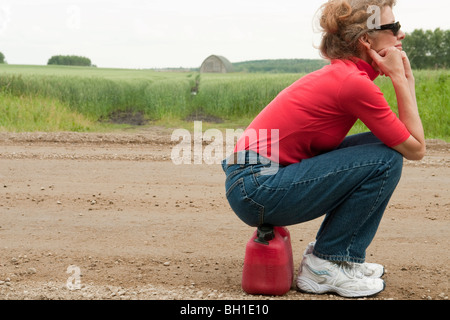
<point x="216" y="64"/>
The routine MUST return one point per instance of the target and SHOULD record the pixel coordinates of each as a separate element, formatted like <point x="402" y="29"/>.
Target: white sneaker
<point x="371" y="270"/>
<point x="320" y="276"/>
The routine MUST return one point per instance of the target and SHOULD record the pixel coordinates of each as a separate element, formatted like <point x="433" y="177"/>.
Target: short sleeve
<point x="363" y="99"/>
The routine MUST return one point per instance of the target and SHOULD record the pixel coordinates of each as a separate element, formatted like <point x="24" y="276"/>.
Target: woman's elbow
<point x="412" y="149"/>
<point x="416" y="155"/>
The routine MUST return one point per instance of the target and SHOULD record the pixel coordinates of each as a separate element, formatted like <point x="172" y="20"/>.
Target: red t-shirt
<point x="315" y="114"/>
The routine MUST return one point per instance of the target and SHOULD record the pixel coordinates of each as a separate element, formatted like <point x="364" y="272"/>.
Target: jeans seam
<point x="233" y="174"/>
<point x="253" y="175"/>
<point x="322" y="177"/>
<point x="380" y="192"/>
<point x="260" y="207"/>
<point x="337" y="257"/>
<point x="233" y="186"/>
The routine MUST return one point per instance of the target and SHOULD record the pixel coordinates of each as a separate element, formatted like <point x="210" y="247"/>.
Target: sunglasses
<point x="394" y="27"/>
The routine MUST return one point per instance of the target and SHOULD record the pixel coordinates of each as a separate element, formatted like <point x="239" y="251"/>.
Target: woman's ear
<point x="365" y="41"/>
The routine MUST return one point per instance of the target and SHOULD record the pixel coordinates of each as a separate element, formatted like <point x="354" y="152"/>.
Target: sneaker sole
<point x="308" y="286"/>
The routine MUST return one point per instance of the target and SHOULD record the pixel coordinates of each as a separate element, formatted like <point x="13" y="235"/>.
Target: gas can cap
<point x="264" y="234"/>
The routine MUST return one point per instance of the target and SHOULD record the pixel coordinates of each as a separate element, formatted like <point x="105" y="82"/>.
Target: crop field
<point x="57" y="98"/>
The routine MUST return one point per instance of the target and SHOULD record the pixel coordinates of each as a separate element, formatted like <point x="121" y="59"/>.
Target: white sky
<point x="176" y="33"/>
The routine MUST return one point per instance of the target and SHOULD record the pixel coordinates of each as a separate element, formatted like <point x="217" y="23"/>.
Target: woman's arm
<point x="395" y="64"/>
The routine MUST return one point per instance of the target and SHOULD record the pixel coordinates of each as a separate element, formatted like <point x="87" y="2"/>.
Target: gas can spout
<point x="264" y="234"/>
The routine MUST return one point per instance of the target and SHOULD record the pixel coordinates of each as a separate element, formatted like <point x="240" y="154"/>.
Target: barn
<point x="216" y="64"/>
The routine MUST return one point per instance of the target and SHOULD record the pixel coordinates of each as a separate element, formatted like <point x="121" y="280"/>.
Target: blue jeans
<point x="350" y="185"/>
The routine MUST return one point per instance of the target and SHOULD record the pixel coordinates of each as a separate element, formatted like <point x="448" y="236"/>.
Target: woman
<point x="294" y="162"/>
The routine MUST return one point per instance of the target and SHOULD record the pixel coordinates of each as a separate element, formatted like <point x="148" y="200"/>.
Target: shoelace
<point x="352" y="270"/>
<point x="362" y="268"/>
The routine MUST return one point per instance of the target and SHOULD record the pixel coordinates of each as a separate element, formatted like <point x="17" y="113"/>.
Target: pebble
<point x="31" y="271"/>
<point x="442" y="295"/>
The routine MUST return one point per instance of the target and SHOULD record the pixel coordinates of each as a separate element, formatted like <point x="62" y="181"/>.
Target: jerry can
<point x="268" y="264"/>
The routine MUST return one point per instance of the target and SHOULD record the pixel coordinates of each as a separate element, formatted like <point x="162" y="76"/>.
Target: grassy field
<point x="56" y="98"/>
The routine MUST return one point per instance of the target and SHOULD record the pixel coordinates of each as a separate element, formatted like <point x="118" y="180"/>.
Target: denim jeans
<point x="351" y="186"/>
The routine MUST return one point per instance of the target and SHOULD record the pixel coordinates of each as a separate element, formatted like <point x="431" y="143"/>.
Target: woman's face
<point x="383" y="39"/>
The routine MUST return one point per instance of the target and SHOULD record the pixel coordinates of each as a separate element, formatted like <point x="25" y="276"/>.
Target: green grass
<point x="85" y="96"/>
<point x="96" y="93"/>
<point x="233" y="96"/>
<point x="432" y="92"/>
<point x="27" y="114"/>
<point x="88" y="72"/>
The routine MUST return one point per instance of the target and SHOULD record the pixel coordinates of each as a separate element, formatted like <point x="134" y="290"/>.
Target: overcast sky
<point x="176" y="33"/>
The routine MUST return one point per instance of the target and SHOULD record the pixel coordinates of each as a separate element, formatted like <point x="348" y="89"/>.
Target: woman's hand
<point x="407" y="65"/>
<point x="391" y="62"/>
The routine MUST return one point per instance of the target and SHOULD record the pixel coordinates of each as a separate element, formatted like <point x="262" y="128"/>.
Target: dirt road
<point x="109" y="216"/>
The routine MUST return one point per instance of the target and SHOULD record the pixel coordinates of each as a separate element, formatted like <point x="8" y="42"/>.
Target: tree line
<point x="70" y="61"/>
<point x="426" y="49"/>
<point x="280" y="66"/>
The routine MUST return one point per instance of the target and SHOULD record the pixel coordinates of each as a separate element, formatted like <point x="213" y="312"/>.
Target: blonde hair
<point x="343" y="22"/>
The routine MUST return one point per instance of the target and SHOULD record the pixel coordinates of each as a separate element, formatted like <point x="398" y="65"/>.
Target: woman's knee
<point x="395" y="164"/>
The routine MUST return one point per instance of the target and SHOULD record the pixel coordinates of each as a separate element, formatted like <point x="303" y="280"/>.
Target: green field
<point x="57" y="98"/>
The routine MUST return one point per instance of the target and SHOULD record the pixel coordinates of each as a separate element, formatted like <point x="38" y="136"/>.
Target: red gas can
<point x="268" y="265"/>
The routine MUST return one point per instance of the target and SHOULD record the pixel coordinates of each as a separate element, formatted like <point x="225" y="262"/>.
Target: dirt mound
<point x="135" y="118"/>
<point x="200" y="115"/>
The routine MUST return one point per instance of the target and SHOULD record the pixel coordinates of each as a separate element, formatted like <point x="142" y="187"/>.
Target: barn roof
<point x="228" y="65"/>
